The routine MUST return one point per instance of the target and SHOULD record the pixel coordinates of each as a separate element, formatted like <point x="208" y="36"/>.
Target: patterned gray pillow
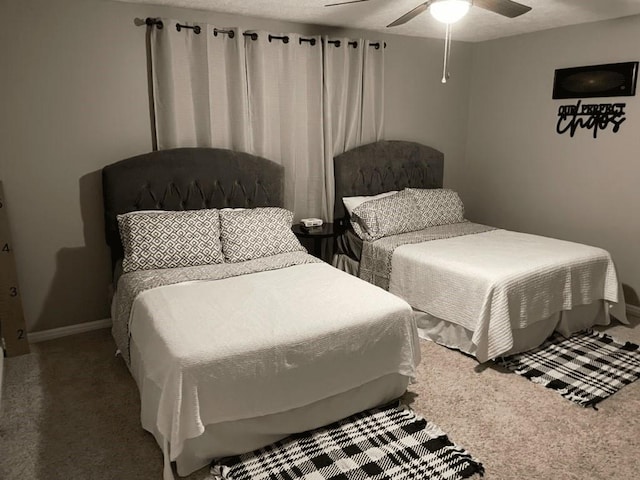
<point x="164" y="239"/>
<point x="438" y="206"/>
<point x="257" y="232"/>
<point x="386" y="216"/>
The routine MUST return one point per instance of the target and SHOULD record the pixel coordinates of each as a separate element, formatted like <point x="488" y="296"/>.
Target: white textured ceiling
<point x="477" y="26"/>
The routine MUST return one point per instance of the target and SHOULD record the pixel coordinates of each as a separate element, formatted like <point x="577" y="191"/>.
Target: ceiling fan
<point x="449" y="12"/>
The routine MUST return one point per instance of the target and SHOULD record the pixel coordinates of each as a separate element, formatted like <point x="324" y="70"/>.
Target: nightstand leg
<point x="317" y="248"/>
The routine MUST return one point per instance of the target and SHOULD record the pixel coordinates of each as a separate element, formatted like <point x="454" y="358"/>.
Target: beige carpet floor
<point x="70" y="410"/>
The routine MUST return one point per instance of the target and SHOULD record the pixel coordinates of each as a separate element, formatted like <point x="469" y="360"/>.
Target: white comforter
<point x="263" y="343"/>
<point x="493" y="282"/>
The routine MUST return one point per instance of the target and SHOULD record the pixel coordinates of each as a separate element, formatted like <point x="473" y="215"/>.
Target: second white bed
<point x="497" y="292"/>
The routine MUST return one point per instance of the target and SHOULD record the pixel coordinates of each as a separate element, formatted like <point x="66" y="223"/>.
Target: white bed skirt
<point x="346" y="264"/>
<point x="240" y="436"/>
<point x="565" y="322"/>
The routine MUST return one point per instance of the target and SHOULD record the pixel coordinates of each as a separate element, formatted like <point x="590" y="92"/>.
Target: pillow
<point x="257" y="232"/>
<point x="438" y="206"/>
<point x="352" y="202"/>
<point x="397" y="213"/>
<point x="170" y="239"/>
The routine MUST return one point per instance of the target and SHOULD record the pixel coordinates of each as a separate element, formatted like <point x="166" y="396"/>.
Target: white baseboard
<point x="633" y="310"/>
<point x="44" y="335"/>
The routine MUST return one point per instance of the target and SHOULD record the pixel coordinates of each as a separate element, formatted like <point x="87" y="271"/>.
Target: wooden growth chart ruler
<point x="12" y="327"/>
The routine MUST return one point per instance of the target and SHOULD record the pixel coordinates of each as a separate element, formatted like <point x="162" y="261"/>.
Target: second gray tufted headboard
<point x="187" y="179"/>
<point x="383" y="166"/>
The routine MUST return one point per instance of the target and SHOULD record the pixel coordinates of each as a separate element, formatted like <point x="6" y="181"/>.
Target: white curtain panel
<point x="285" y="108"/>
<point x="179" y="96"/>
<point x="353" y="101"/>
<point x="228" y="98"/>
<point x="372" y="117"/>
<point x="200" y="88"/>
<point x="297" y="103"/>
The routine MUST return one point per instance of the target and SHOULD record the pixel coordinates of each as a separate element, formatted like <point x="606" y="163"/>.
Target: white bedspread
<point x="493" y="282"/>
<point x="263" y="343"/>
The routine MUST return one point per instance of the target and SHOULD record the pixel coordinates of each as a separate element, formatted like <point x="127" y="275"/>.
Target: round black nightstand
<point x="318" y="234"/>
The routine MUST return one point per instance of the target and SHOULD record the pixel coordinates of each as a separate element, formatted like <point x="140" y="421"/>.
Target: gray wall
<point x="74" y="98"/>
<point x="522" y="175"/>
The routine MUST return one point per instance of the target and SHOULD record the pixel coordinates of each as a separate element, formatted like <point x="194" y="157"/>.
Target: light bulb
<point x="449" y="11"/>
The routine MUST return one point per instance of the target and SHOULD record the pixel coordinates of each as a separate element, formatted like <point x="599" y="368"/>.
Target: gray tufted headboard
<point x="383" y="166"/>
<point x="187" y="179"/>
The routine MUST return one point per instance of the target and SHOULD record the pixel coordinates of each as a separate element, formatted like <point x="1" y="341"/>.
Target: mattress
<point x="223" y="352"/>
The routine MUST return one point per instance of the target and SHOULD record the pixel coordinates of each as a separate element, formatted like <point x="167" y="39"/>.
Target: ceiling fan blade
<point x="344" y="3"/>
<point x="508" y="8"/>
<point x="411" y="14"/>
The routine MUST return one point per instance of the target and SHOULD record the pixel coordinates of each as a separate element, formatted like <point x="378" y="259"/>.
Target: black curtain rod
<point x="196" y="28"/>
<point x="354" y="44"/>
<point x="153" y="21"/>
<point x="284" y="38"/>
<point x="254" y="36"/>
<point x="337" y="43"/>
<point x="216" y="31"/>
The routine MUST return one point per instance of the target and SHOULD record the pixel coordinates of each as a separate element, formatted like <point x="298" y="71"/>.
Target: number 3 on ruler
<point x="13" y="291"/>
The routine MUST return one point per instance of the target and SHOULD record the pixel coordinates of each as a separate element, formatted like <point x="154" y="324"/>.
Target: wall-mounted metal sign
<point x="609" y="80"/>
<point x="596" y="117"/>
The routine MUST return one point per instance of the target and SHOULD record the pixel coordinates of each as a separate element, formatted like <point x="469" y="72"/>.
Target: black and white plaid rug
<point x="585" y="368"/>
<point x="387" y="443"/>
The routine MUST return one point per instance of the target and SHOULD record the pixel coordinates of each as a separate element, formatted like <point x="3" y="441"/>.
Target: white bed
<point x="209" y="354"/>
<point x="487" y="292"/>
<point x="499" y="292"/>
<point x="236" y="354"/>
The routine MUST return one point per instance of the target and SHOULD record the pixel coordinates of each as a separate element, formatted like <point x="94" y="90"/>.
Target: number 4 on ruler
<point x="12" y="325"/>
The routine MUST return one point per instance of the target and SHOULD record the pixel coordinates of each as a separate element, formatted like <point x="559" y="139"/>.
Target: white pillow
<point x="256" y="232"/>
<point x="154" y="239"/>
<point x="438" y="206"/>
<point x="352" y="202"/>
<point x="385" y="216"/>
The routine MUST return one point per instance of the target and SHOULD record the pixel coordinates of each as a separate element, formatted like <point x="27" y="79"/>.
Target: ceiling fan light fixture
<point x="449" y="11"/>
